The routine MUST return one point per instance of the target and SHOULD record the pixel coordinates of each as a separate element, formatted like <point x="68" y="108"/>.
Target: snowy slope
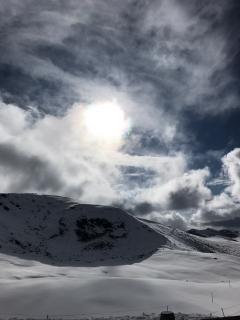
<point x="183" y="280"/>
<point x="56" y="230"/>
<point x="182" y="240"/>
<point x="184" y="273"/>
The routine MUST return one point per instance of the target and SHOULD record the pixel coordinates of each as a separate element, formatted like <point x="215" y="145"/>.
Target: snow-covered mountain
<point x="58" y="231"/>
<point x="210" y="232"/>
<point x="181" y="240"/>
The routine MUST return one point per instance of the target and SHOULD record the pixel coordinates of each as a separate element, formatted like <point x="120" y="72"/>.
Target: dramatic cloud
<point x="127" y="102"/>
<point x="170" y="56"/>
<point x="224" y="209"/>
<point x="53" y="155"/>
<point x="187" y="191"/>
<point x="231" y="164"/>
<point x="60" y="155"/>
<point x="190" y="53"/>
<point x="22" y="172"/>
<point x="172" y="219"/>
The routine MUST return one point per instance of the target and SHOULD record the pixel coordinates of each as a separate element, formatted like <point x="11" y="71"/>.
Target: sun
<point x="106" y="122"/>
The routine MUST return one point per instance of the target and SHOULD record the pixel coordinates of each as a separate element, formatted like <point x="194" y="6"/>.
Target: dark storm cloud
<point x="143" y="208"/>
<point x="30" y="172"/>
<point x="155" y="213"/>
<point x="23" y="89"/>
<point x="223" y="216"/>
<point x="184" y="198"/>
<point x="180" y="198"/>
<point x="233" y="223"/>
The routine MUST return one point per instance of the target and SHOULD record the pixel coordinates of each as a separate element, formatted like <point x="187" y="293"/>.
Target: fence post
<point x="223" y="312"/>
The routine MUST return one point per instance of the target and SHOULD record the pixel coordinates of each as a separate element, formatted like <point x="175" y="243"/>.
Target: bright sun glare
<point x="106" y="122"/>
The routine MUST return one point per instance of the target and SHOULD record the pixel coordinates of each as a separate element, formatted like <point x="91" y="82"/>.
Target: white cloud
<point x="53" y="154"/>
<point x="186" y="191"/>
<point x="231" y="166"/>
<point x="89" y="48"/>
<point x="80" y="167"/>
<point x="222" y="211"/>
<point x="224" y="208"/>
<point x="172" y="219"/>
<point x="57" y="155"/>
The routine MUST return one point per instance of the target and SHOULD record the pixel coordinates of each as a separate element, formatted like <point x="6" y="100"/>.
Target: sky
<point x="131" y="103"/>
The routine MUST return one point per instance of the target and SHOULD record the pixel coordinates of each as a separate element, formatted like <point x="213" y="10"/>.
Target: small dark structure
<point x="167" y="315"/>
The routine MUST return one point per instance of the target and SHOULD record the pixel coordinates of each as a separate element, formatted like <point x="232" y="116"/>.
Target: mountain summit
<point x="58" y="231"/>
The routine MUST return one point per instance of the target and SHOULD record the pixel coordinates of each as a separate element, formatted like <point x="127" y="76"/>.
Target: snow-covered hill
<point x="181" y="240"/>
<point x="58" y="231"/>
<point x="209" y="232"/>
